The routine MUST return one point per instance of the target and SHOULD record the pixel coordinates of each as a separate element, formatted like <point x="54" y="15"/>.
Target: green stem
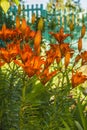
<point x="22" y="105"/>
<point x="23" y="93"/>
<point x="62" y="79"/>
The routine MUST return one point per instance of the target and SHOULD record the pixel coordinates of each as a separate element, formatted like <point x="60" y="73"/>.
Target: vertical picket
<point x="61" y="17"/>
<point x="28" y="11"/>
<point x="32" y="9"/>
<point x="37" y="10"/>
<point x="41" y="9"/>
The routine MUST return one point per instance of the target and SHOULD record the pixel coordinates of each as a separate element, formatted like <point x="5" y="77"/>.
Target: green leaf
<point x="65" y="124"/>
<point x="5" y="5"/>
<point x="78" y="125"/>
<point x="80" y="109"/>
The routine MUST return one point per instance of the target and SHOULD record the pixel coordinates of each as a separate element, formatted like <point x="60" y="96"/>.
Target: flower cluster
<point x="29" y="58"/>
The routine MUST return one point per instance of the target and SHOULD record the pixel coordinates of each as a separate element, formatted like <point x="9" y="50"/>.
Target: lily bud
<point x="40" y="24"/>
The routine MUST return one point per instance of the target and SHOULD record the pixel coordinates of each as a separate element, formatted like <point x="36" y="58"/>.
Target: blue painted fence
<point x="59" y="17"/>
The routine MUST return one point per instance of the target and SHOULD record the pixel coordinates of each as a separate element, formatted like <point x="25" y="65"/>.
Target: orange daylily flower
<point x="32" y="34"/>
<point x="50" y="58"/>
<point x="78" y="57"/>
<point x="60" y="36"/>
<point x="18" y="32"/>
<point x="32" y="66"/>
<point x="37" y="41"/>
<point x="13" y="49"/>
<point x="4" y="55"/>
<point x="5" y="33"/>
<point x="80" y="44"/>
<point x="78" y="78"/>
<point x="25" y="53"/>
<point x="24" y="34"/>
<point x="46" y="75"/>
<point x="84" y="57"/>
<point x="9" y="53"/>
<point x="64" y="48"/>
<point x="52" y="54"/>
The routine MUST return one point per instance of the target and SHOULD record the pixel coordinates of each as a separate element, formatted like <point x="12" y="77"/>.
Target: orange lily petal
<point x="18" y="63"/>
<point x="46" y="75"/>
<point x="23" y="25"/>
<point x="78" y="78"/>
<point x="17" y="22"/>
<point x="60" y="36"/>
<point x="78" y="57"/>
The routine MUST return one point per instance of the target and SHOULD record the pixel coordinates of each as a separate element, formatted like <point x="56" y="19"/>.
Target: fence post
<point x="28" y="11"/>
<point x="37" y="10"/>
<point x="41" y="9"/>
<point x="32" y="9"/>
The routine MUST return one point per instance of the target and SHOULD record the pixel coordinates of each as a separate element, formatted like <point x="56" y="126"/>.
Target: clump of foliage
<point x="39" y="90"/>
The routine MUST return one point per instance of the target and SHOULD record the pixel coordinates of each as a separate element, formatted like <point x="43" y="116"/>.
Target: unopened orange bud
<point x="3" y="28"/>
<point x="37" y="42"/>
<point x="67" y="59"/>
<point x="23" y="25"/>
<point x="80" y="44"/>
<point x="33" y="18"/>
<point x="17" y="22"/>
<point x="83" y="30"/>
<point x="71" y="26"/>
<point x="40" y="24"/>
<point x="19" y="9"/>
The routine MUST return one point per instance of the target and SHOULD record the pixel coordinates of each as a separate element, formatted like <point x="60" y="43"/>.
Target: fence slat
<point x="62" y="17"/>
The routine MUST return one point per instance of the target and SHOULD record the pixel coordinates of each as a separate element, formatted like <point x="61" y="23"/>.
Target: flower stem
<point x="22" y="105"/>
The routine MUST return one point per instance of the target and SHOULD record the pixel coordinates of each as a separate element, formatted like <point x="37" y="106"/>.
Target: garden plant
<point x="42" y="86"/>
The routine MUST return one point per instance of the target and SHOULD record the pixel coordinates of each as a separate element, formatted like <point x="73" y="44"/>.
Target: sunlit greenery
<point x="42" y="86"/>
